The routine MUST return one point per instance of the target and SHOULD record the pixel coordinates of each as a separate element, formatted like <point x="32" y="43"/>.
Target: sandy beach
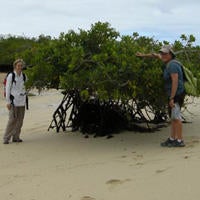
<point x="66" y="166"/>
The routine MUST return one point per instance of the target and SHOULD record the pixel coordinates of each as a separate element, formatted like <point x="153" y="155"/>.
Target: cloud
<point x="151" y="17"/>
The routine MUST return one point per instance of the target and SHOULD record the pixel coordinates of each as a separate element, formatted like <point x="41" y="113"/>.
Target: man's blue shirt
<point x="173" y="68"/>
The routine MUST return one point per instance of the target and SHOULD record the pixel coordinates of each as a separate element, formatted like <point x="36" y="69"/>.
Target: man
<point x="16" y="100"/>
<point x="174" y="85"/>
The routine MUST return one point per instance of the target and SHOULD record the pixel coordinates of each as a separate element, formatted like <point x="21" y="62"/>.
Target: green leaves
<point x="100" y="60"/>
<point x="191" y="85"/>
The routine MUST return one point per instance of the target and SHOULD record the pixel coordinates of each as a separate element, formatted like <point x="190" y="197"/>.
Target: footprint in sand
<point x="87" y="198"/>
<point x="186" y="157"/>
<point x="140" y="156"/>
<point x="161" y="170"/>
<point x="116" y="182"/>
<point x="139" y="164"/>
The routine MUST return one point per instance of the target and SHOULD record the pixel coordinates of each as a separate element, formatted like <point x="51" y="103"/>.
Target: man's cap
<point x="167" y="49"/>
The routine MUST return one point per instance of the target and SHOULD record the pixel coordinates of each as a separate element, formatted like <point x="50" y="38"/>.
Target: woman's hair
<point x="18" y="61"/>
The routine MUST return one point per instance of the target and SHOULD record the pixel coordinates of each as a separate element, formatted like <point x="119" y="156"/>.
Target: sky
<point x="163" y="20"/>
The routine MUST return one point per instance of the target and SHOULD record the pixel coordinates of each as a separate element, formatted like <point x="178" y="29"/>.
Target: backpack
<point x="190" y="81"/>
<point x="13" y="81"/>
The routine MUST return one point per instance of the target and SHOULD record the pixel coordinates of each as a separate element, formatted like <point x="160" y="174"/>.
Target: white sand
<point x="51" y="166"/>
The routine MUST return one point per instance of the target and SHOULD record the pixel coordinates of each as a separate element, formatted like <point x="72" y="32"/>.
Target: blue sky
<point x="164" y="20"/>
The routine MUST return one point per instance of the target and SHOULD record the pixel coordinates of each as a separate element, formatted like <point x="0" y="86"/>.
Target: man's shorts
<point x="175" y="112"/>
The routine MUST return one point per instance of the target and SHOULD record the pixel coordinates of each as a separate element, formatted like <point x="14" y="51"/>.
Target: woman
<point x="16" y="99"/>
<point x="174" y="85"/>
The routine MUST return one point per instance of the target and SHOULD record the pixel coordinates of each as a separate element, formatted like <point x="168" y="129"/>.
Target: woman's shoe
<point x="17" y="140"/>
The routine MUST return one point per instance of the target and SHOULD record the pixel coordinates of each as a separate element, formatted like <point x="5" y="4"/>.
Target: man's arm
<point x="148" y="55"/>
